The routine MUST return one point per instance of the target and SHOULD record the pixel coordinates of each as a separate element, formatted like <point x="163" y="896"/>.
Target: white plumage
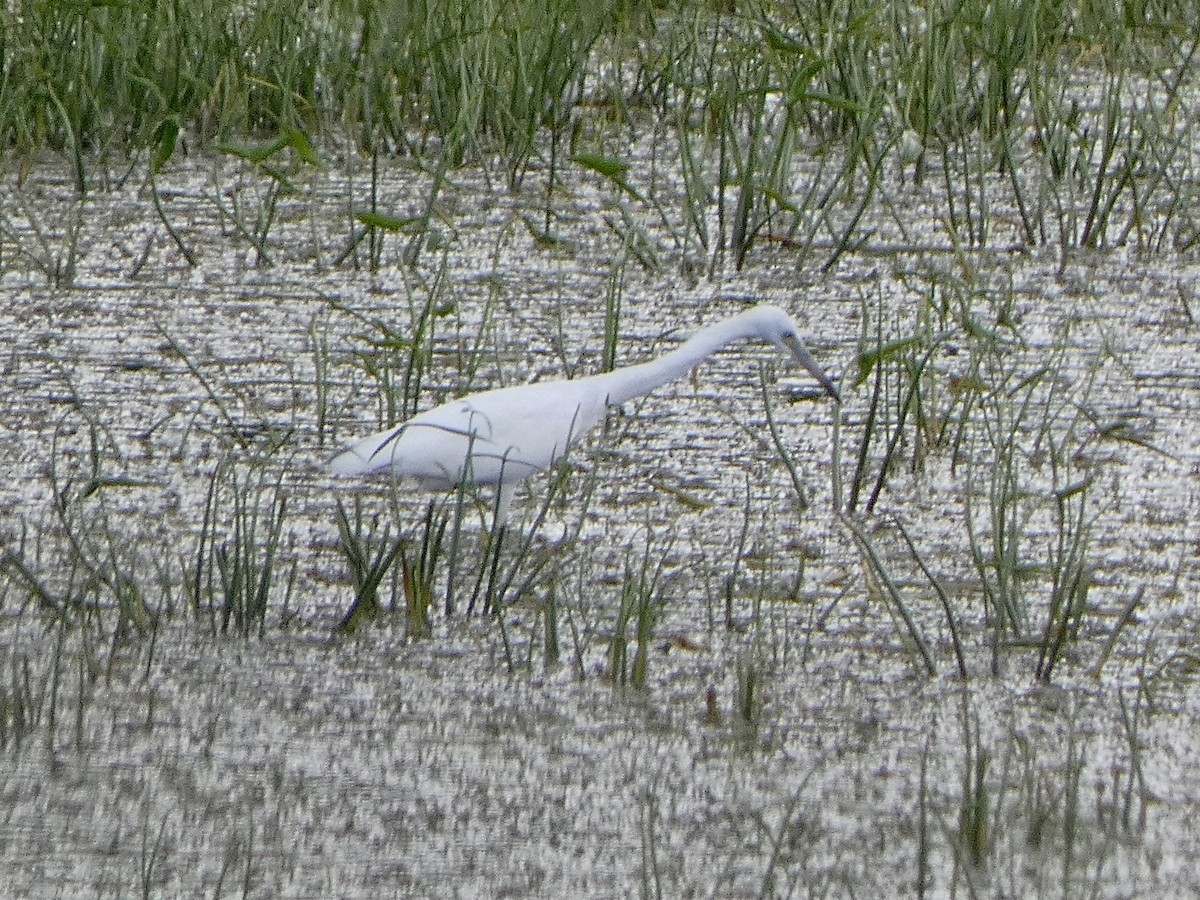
<point x="501" y="437"/>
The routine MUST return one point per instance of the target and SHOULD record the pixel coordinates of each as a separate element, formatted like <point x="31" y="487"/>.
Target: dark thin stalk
<point x="942" y="598"/>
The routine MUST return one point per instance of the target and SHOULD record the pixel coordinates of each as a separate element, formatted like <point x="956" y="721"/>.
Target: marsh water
<point x="789" y="739"/>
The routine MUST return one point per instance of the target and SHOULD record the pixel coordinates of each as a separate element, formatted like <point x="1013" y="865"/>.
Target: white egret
<point x="501" y="437"/>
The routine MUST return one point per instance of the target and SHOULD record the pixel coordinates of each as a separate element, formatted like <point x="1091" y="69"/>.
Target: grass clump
<point x="121" y="77"/>
<point x="639" y="610"/>
<point x="1026" y="123"/>
<point x="236" y="558"/>
<point x="368" y="558"/>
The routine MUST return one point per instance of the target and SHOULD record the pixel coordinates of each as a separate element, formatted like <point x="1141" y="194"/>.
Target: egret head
<point x="777" y="327"/>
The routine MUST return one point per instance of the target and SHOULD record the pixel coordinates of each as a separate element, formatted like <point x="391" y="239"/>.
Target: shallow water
<point x="181" y="761"/>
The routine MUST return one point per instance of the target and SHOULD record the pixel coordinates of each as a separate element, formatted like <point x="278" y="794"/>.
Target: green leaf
<point x="780" y="42"/>
<point x="106" y="481"/>
<point x="389" y="223"/>
<point x="300" y="142"/>
<point x="168" y="137"/>
<point x="544" y="238"/>
<point x="254" y="153"/>
<point x="1072" y="490"/>
<point x="781" y="201"/>
<point x="610" y="168"/>
<point x="871" y="358"/>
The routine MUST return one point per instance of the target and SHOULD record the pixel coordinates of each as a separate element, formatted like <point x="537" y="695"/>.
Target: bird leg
<point x="504" y="495"/>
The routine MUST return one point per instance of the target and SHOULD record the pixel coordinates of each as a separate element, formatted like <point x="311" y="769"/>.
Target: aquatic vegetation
<point x="940" y="642"/>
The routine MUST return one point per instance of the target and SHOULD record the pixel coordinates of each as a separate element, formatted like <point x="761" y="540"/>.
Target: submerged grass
<point x="233" y="577"/>
<point x="369" y="557"/>
<point x="1058" y="124"/>
<point x="639" y="610"/>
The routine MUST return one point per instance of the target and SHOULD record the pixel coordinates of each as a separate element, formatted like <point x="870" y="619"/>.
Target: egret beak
<point x="803" y="357"/>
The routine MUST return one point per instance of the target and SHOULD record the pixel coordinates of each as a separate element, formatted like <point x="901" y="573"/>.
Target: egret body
<point x="501" y="437"/>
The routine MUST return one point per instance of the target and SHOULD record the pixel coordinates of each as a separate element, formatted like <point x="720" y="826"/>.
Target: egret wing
<point x="498" y="436"/>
